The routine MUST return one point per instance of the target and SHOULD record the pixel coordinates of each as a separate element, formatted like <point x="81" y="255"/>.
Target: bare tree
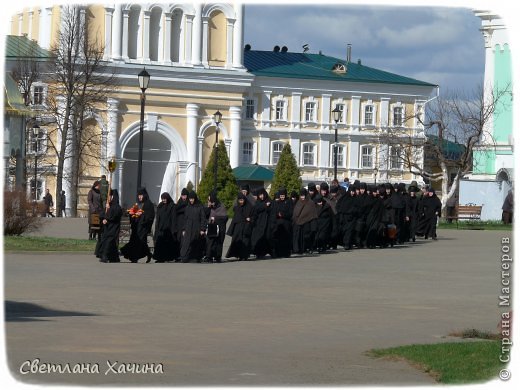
<point x="81" y="81"/>
<point x="453" y="121"/>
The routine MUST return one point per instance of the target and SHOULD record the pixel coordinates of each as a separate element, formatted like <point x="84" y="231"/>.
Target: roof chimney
<point x="349" y="52"/>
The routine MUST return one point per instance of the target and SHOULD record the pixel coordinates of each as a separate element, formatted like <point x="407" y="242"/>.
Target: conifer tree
<point x="227" y="188"/>
<point x="286" y="174"/>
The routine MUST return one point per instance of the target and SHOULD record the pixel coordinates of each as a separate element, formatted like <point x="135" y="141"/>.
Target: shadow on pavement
<point x="23" y="311"/>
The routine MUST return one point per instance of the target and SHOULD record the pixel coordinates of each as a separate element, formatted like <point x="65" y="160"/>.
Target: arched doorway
<point x="164" y="151"/>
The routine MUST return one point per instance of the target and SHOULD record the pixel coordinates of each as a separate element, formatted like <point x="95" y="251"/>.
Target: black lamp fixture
<point x="218" y="120"/>
<point x="144" y="79"/>
<point x="336" y="115"/>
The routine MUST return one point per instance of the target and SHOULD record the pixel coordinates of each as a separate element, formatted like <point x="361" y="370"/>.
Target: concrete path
<point x="298" y="321"/>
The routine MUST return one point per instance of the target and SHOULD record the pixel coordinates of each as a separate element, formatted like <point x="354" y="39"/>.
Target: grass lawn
<point x="480" y="225"/>
<point x="451" y="363"/>
<point x="40" y="244"/>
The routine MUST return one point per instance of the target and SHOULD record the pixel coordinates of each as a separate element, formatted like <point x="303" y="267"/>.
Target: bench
<point x="469" y="212"/>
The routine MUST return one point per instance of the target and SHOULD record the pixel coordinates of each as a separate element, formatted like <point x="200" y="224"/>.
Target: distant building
<point x="492" y="175"/>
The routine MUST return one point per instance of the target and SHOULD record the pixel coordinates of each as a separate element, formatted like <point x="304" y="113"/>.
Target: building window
<point x="280" y="110"/>
<point x="39" y="188"/>
<point x="250" y="109"/>
<point x="277" y="151"/>
<point x="369" y="115"/>
<point x="367" y="160"/>
<point x="398" y="116"/>
<point x="341" y="156"/>
<point x="395" y="158"/>
<point x="308" y="154"/>
<point x="310" y="112"/>
<point x="38" y="143"/>
<point x="38" y="95"/>
<point x="247" y="152"/>
<point x="341" y="108"/>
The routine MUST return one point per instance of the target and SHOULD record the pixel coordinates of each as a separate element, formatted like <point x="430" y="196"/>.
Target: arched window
<point x="217" y="25"/>
<point x="155" y="33"/>
<point x="176" y="35"/>
<point x="134" y="24"/>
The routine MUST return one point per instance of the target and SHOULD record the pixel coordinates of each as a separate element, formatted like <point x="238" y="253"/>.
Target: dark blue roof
<point x="319" y="67"/>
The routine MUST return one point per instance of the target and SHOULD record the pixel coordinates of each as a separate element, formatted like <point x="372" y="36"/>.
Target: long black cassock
<point x="166" y="246"/>
<point x="193" y="243"/>
<point x="281" y="227"/>
<point x="240" y="230"/>
<point x="260" y="222"/>
<point x="106" y="249"/>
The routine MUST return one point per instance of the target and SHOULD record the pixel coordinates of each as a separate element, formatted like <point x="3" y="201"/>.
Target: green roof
<point x="13" y="102"/>
<point x="450" y="149"/>
<point x="319" y="67"/>
<point x="21" y="46"/>
<point x="253" y="173"/>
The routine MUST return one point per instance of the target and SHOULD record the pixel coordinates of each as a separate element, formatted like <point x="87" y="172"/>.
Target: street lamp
<point x="336" y="115"/>
<point x="218" y="120"/>
<point x="144" y="79"/>
<point x="36" y="133"/>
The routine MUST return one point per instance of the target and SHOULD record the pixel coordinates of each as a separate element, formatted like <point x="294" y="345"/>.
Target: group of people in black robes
<point x="315" y="220"/>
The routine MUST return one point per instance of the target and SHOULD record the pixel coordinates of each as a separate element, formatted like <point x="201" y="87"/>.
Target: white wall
<point x="489" y="194"/>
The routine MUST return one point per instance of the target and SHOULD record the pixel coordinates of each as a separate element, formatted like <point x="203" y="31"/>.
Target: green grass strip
<point x="452" y="363"/>
<point x="44" y="244"/>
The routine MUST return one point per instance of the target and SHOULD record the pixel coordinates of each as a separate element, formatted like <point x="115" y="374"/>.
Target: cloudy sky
<point x="439" y="45"/>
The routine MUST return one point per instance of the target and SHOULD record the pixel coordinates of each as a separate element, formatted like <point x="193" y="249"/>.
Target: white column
<point x="192" y="111"/>
<point x="235" y="115"/>
<point x="384" y="111"/>
<point x="238" y="37"/>
<point x="264" y="146"/>
<point x="354" y="155"/>
<point x="197" y="35"/>
<point x="325" y="111"/>
<point x="295" y="148"/>
<point x="112" y="136"/>
<point x="20" y="23"/>
<point x="30" y="14"/>
<point x="296" y="109"/>
<point x="168" y="38"/>
<point x="109" y="14"/>
<point x="355" y="110"/>
<point x="44" y="33"/>
<point x="205" y="39"/>
<point x="187" y="42"/>
<point x="326" y="160"/>
<point x="117" y="24"/>
<point x="124" y="52"/>
<point x="145" y="42"/>
<point x="266" y="109"/>
<point x="229" y="42"/>
<point x="182" y="41"/>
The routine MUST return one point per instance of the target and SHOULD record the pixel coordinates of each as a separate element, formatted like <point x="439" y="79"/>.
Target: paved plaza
<point x="298" y="321"/>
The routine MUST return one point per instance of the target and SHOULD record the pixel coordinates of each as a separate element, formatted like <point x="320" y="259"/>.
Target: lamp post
<point x="36" y="133"/>
<point x="336" y="114"/>
<point x="218" y="119"/>
<point x="144" y="79"/>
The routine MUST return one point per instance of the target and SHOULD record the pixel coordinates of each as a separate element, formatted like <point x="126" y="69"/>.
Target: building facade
<point x="198" y="64"/>
<point x="493" y="163"/>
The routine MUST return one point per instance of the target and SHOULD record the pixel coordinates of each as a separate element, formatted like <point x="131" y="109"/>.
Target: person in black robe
<point x="260" y="224"/>
<point x="141" y="226"/>
<point x="363" y="208"/>
<point x="430" y="209"/>
<point x="180" y="208"/>
<point x="166" y="245"/>
<point x="347" y="214"/>
<point x="312" y="190"/>
<point x="193" y="230"/>
<point x="294" y="197"/>
<point x="374" y="225"/>
<point x="305" y="224"/>
<point x="399" y="205"/>
<point x="281" y="225"/>
<point x="412" y="211"/>
<point x="216" y="213"/>
<point x="106" y="248"/>
<point x="324" y="225"/>
<point x="240" y="229"/>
